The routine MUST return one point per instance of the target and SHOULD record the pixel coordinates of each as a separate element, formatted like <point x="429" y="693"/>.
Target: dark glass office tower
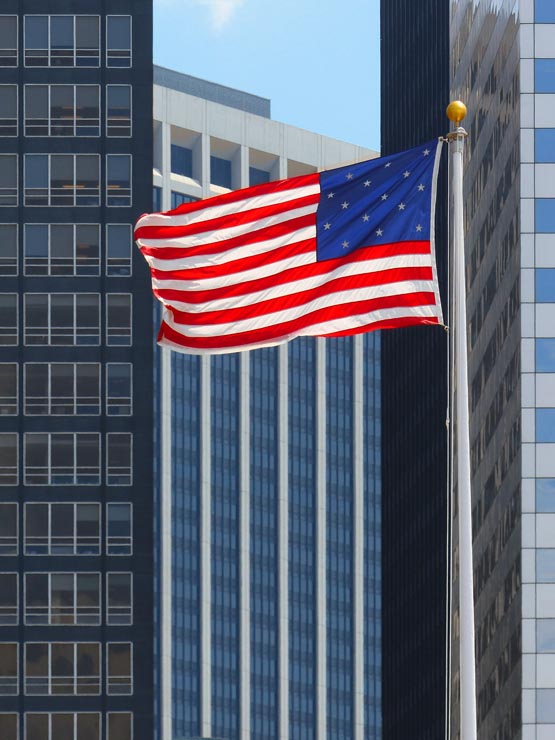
<point x="415" y="92"/>
<point x="76" y="482"/>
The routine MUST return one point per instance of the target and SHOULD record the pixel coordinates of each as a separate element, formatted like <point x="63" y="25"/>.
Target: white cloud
<point x="221" y="11"/>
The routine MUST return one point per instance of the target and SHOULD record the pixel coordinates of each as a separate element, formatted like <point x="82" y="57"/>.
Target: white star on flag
<point x="379" y="232"/>
<point x="421" y="187"/>
<point x="327" y="226"/>
<point x="401" y="206"/>
<point x="345" y="244"/>
<point x="385" y="196"/>
<point x="366" y="217"/>
<point x="344" y="205"/>
<point x="419" y="227"/>
<point x="406" y="173"/>
<point x="330" y="195"/>
<point x="367" y="183"/>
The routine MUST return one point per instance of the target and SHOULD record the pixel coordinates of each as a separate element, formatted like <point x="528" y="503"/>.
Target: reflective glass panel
<point x="545" y="11"/>
<point x="545" y="425"/>
<point x="545" y="75"/>
<point x="545" y="286"/>
<point x="545" y="215"/>
<point x="545" y="144"/>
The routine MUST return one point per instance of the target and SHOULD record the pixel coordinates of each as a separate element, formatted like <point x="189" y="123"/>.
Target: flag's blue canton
<point x="377" y="202"/>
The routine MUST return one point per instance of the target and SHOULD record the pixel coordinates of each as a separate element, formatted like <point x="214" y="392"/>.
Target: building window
<point x="9" y="726"/>
<point x="119" y="394"/>
<point x="118" y="250"/>
<point x="69" y="459"/>
<point x="62" y="598"/>
<point x="62" y="249"/>
<point x="8" y="249"/>
<point x="119" y="726"/>
<point x="118" y="319"/>
<point x="8" y="109"/>
<point x="119" y="668"/>
<point x="8" y="530"/>
<point x="8" y="179"/>
<point x="62" y="389"/>
<point x="118" y="458"/>
<point x="119" y="540"/>
<point x="545" y="286"/>
<point x="62" y="41"/>
<point x="157" y="199"/>
<point x="8" y="318"/>
<point x="118" y="180"/>
<point x="544" y="75"/>
<point x="62" y="529"/>
<point x="8" y="41"/>
<point x="258" y="177"/>
<point x="62" y="318"/>
<point x="62" y="180"/>
<point x="8" y="599"/>
<point x="53" y="668"/>
<point x="8" y="388"/>
<point x="545" y="144"/>
<point x="118" y="110"/>
<point x="8" y="459"/>
<point x="62" y="726"/>
<point x="62" y="110"/>
<point x="220" y="172"/>
<point x="118" y="41"/>
<point x="181" y="160"/>
<point x="119" y="598"/>
<point x="545" y="425"/>
<point x="545" y="11"/>
<point x="179" y="198"/>
<point x="9" y="673"/>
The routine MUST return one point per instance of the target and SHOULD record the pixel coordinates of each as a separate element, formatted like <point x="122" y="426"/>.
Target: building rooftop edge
<point x="212" y="91"/>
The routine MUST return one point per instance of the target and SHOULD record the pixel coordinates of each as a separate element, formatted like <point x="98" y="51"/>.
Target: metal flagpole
<point x="456" y="112"/>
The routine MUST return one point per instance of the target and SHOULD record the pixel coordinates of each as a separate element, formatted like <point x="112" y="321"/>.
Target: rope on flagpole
<point x="456" y="112"/>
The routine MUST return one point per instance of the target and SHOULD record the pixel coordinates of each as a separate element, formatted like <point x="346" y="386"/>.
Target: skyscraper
<point x="76" y="481"/>
<point x="502" y="65"/>
<point x="415" y="91"/>
<point x="275" y="477"/>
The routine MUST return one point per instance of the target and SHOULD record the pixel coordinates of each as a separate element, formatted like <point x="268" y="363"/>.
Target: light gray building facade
<point x="270" y="551"/>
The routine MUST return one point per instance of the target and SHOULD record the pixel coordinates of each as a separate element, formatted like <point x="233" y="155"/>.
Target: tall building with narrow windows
<point x="502" y="64"/>
<point x="76" y="449"/>
<point x="274" y="480"/>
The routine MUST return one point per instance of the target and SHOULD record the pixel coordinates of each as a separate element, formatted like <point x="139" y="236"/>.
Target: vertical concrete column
<point x="283" y="518"/>
<point x="245" y="545"/>
<point x="321" y="523"/>
<point x="358" y="538"/>
<point x="205" y="551"/>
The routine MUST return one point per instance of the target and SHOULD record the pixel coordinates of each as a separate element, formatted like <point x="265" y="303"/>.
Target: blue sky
<point x="317" y="60"/>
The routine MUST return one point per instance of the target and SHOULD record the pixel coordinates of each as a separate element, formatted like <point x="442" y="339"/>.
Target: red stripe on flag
<point x="295" y="327"/>
<point x="248" y="237"/>
<point x="282" y="303"/>
<point x="228" y="221"/>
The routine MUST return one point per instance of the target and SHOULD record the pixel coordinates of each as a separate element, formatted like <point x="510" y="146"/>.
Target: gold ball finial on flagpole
<point x="456" y="112"/>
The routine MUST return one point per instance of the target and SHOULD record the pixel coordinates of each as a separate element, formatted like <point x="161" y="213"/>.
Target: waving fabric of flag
<point x="326" y="254"/>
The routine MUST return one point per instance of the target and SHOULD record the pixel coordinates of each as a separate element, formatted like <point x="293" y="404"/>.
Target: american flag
<point x="327" y="254"/>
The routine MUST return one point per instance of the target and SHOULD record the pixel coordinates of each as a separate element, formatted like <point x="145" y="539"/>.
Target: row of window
<point x="66" y="459"/>
<point x="70" y="668"/>
<point x="66" y="319"/>
<point x="66" y="110"/>
<point x="67" y="726"/>
<point x="183" y="163"/>
<point x="66" y="249"/>
<point x="65" y="41"/>
<point x="67" y="388"/>
<point x="64" y="599"/>
<point x="66" y="529"/>
<point x="66" y="180"/>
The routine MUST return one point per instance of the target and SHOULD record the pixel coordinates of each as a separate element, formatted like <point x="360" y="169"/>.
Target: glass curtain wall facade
<point x="414" y="92"/>
<point x="76" y="486"/>
<point x="275" y="478"/>
<point x="486" y="74"/>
